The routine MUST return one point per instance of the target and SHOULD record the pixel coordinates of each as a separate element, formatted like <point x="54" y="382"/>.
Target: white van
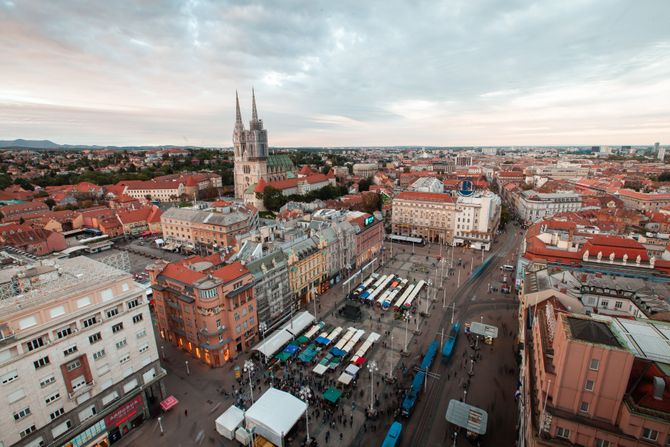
<point x="507" y="267"/>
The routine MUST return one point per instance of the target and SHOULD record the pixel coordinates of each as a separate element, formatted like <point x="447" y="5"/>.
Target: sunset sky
<point x="337" y="73"/>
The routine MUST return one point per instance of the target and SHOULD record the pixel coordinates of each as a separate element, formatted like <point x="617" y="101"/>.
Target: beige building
<point x="424" y="214"/>
<point x="207" y="229"/>
<point x="307" y="269"/>
<point x="78" y="358"/>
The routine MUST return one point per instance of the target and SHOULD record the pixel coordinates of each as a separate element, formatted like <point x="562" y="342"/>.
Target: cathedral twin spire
<point x="254" y="112"/>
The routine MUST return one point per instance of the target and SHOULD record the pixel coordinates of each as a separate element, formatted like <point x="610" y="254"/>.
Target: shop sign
<point x="125" y="412"/>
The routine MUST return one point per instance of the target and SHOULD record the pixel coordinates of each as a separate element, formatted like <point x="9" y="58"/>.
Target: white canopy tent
<point x="345" y="378"/>
<point x="320" y="369"/>
<point x="227" y="423"/>
<point x="274" y="414"/>
<point x="272" y="344"/>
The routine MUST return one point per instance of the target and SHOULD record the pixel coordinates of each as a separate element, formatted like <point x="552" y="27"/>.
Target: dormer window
<point x="209" y="293"/>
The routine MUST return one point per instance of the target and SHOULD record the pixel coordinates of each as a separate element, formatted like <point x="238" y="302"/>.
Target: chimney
<point x="659" y="388"/>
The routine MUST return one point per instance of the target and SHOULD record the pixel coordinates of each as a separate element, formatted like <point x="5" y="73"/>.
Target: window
<point x="70" y="350"/>
<point x="117" y="328"/>
<point x="78" y="382"/>
<point x="144" y="348"/>
<point x="137" y="318"/>
<point x="73" y="365"/>
<point x="604" y="303"/>
<point x="57" y="413"/>
<point x="87" y="413"/>
<point x="24" y="412"/>
<point x="133" y="303"/>
<point x="99" y="354"/>
<point x="595" y="364"/>
<point x="62" y="333"/>
<point x="141" y="333"/>
<point x="649" y="434"/>
<point x="238" y="329"/>
<point x="124" y="359"/>
<point x="35" y="344"/>
<point x="210" y="293"/>
<point x="112" y="312"/>
<point x="121" y="343"/>
<point x="52" y="397"/>
<point x="9" y="377"/>
<point x="602" y="443"/>
<point x="618" y="305"/>
<point x="27" y="431"/>
<point x="61" y="428"/>
<point x="584" y="407"/>
<point x="95" y="337"/>
<point x="40" y="363"/>
<point x="90" y="321"/>
<point x="588" y="386"/>
<point x="111" y="397"/>
<point x="562" y="433"/>
<point x="48" y="380"/>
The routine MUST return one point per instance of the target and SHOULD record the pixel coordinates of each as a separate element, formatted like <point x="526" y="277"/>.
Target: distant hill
<point x="32" y="144"/>
<point x="50" y="145"/>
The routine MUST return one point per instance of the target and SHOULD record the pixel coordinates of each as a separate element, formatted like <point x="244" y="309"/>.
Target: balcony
<point x="7" y="335"/>
<point x="214" y="333"/>
<point x="81" y="390"/>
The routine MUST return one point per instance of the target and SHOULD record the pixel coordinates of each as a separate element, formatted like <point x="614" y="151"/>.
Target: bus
<point x="410" y="299"/>
<point x="392" y="438"/>
<point x="406" y="239"/>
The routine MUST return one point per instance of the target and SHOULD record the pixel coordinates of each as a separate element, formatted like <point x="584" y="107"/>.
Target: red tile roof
<point x="231" y="272"/>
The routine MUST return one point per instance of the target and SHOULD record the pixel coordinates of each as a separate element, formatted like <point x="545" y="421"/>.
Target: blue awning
<point x="322" y="340"/>
<point x="337" y="352"/>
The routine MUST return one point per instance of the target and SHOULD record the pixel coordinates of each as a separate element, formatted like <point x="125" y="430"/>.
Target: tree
<point x="664" y="177"/>
<point x="50" y="203"/>
<point x="371" y="202"/>
<point x="325" y="170"/>
<point x="25" y="184"/>
<point x="364" y="185"/>
<point x="5" y="181"/>
<point x="273" y="198"/>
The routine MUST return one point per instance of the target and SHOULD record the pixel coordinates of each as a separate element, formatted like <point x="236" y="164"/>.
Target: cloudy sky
<point x="337" y="73"/>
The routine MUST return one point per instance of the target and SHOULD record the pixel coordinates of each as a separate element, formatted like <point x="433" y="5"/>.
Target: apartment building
<point x="424" y="214"/>
<point x="208" y="228"/>
<point x="163" y="191"/>
<point x="476" y="220"/>
<point x="532" y="206"/>
<point x="642" y="201"/>
<point x="593" y="381"/>
<point x="369" y="236"/>
<point x="78" y="359"/>
<point x="306" y="268"/>
<point x="205" y="308"/>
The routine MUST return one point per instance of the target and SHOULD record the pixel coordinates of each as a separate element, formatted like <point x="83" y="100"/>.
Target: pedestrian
<point x="185" y="411"/>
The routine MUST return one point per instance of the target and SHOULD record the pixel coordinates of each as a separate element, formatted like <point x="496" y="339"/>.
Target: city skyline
<point x="575" y="73"/>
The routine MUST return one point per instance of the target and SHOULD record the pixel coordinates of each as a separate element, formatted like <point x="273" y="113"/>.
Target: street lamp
<point x="306" y="395"/>
<point x="249" y="369"/>
<point x="406" y="325"/>
<point x="372" y="367"/>
<point x="160" y="424"/>
<point x="188" y="371"/>
<point x="163" y="351"/>
<point x="263" y="326"/>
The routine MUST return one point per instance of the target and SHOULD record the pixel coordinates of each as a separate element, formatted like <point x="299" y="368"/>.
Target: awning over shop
<point x="322" y="340"/>
<point x="332" y="395"/>
<point x="352" y="369"/>
<point x="320" y="369"/>
<point x="345" y="378"/>
<point x="283" y="356"/>
<point x="308" y="354"/>
<point x="337" y="352"/>
<point x="291" y="349"/>
<point x="360" y="361"/>
<point x="169" y="402"/>
<point x="302" y="340"/>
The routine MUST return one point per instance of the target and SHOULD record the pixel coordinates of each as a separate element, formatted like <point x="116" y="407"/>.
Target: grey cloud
<point x="330" y="73"/>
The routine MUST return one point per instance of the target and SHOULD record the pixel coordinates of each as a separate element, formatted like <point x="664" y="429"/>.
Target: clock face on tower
<point x="466" y="188"/>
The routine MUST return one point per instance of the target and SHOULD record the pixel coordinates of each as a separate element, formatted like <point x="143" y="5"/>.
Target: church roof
<point x="282" y="161"/>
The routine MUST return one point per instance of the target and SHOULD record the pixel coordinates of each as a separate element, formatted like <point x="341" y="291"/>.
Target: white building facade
<point x="476" y="220"/>
<point x="78" y="357"/>
<point x="532" y="206"/>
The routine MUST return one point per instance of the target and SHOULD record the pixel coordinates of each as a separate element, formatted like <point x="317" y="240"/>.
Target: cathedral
<point x="252" y="162"/>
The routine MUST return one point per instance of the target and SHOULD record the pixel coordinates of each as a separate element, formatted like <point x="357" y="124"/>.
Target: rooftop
<point x="592" y="331"/>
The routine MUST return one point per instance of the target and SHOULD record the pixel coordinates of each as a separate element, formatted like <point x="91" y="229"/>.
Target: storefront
<point x="94" y="436"/>
<point x="125" y="418"/>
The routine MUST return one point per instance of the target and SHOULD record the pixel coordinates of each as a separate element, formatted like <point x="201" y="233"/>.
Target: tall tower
<point x="251" y="149"/>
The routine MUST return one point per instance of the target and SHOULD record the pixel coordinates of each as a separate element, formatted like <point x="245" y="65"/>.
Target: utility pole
<point x="444" y="298"/>
<point x="459" y="279"/>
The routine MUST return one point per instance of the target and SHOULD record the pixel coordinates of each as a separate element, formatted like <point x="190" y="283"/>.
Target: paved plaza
<point x="204" y="393"/>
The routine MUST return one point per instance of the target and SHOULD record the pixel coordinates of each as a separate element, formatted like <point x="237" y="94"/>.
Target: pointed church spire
<point x="254" y="113"/>
<point x="238" y="114"/>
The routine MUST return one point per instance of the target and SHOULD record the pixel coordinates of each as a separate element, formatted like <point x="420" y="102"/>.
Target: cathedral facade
<point x="252" y="161"/>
